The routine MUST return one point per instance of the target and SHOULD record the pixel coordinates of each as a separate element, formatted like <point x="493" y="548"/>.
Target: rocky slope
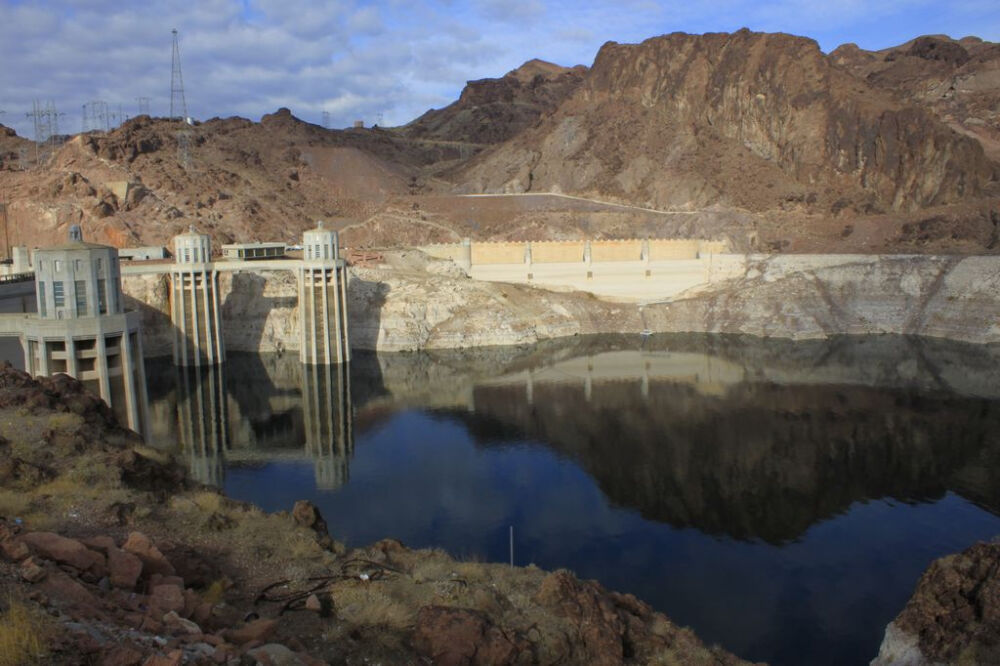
<point x="957" y="80"/>
<point x="492" y="111"/>
<point x="108" y="555"/>
<point x="809" y="153"/>
<point x="953" y="616"/>
<point x="745" y="119"/>
<point x="816" y="297"/>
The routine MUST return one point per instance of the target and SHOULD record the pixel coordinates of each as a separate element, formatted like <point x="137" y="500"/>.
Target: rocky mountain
<point x="758" y="138"/>
<point x="747" y="120"/>
<point x="957" y="80"/>
<point x="492" y="111"/>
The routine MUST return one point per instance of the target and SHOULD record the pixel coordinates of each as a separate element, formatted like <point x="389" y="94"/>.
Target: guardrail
<point x="16" y="277"/>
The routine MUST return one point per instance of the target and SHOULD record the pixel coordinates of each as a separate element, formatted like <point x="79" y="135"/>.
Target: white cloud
<point x="358" y="58"/>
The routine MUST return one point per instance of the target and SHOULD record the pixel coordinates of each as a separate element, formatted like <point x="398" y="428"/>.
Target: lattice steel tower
<point x="177" y="102"/>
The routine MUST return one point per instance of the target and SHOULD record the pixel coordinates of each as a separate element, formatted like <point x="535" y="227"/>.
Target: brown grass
<point x="24" y="635"/>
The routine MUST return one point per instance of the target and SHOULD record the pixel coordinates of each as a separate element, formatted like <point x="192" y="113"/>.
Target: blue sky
<point x="392" y="59"/>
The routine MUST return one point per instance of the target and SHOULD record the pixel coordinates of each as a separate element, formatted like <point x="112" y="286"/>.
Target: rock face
<point x="494" y="110"/>
<point x="745" y="119"/>
<point x="953" y="616"/>
<point x="817" y="296"/>
<point x="957" y="80"/>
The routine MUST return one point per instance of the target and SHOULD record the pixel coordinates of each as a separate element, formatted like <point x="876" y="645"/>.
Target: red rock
<point x="460" y="637"/>
<point x="256" y="630"/>
<point x="31" y="571"/>
<point x="202" y="613"/>
<point x="153" y="560"/>
<point x="66" y="590"/>
<point x="174" y="621"/>
<point x="121" y="656"/>
<point x="174" y="658"/>
<point x="213" y="639"/>
<point x="313" y="603"/>
<point x="167" y="598"/>
<point x="102" y="544"/>
<point x="14" y="550"/>
<point x="124" y="568"/>
<point x="65" y="551"/>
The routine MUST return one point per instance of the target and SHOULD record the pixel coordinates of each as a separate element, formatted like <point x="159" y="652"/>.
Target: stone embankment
<point x="110" y="556"/>
<point x="414" y="302"/>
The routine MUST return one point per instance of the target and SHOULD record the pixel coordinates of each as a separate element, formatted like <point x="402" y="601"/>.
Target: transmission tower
<point x="143" y="105"/>
<point x="178" y="105"/>
<point x="326" y="119"/>
<point x="96" y="116"/>
<point x="46" y="120"/>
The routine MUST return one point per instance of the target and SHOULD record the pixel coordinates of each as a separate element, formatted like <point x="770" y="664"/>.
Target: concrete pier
<point x="323" y="300"/>
<point x="194" y="302"/>
<point x="82" y="329"/>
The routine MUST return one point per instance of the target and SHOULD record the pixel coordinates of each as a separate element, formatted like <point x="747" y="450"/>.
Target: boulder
<point x="167" y="598"/>
<point x="124" y="568"/>
<point x="153" y="561"/>
<point x="460" y="637"/>
<point x="255" y="630"/>
<point x="953" y="616"/>
<point x="64" y="550"/>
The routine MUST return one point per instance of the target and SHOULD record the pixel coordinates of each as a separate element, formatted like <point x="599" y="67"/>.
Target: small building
<point x="146" y="253"/>
<point x="81" y="327"/>
<point x="245" y="251"/>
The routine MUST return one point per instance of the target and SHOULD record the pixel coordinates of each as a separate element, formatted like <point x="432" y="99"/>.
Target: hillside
<point x="758" y="138"/>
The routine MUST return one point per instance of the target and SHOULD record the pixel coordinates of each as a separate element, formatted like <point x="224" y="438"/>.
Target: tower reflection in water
<point x="215" y="422"/>
<point x="203" y="421"/>
<point x="329" y="430"/>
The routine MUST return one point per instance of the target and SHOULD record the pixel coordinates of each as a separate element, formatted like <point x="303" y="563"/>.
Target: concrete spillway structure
<point x="194" y="302"/>
<point x="82" y="329"/>
<point x="323" y="300"/>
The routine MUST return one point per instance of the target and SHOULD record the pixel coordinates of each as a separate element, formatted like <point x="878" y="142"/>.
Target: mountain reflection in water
<point x="780" y="498"/>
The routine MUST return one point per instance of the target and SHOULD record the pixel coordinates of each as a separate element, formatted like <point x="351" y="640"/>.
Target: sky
<point x="385" y="61"/>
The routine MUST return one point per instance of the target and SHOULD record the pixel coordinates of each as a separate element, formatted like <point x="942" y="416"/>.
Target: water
<point x="782" y="499"/>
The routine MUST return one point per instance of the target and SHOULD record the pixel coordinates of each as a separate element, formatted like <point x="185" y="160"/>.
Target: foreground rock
<point x="112" y="557"/>
<point x="954" y="615"/>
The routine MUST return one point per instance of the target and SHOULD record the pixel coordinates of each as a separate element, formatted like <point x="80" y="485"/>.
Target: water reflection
<point x="780" y="498"/>
<point x="251" y="410"/>
<point x="731" y="436"/>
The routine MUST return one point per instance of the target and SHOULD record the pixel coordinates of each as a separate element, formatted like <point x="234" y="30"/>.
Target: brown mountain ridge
<point x="757" y="137"/>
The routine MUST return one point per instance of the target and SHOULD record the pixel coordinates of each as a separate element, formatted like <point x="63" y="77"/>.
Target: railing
<point x="16" y="277"/>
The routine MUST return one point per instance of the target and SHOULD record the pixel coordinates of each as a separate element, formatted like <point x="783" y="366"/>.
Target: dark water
<point x="781" y="499"/>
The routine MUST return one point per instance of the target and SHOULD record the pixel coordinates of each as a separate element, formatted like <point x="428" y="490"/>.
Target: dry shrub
<point x="366" y="605"/>
<point x="24" y="635"/>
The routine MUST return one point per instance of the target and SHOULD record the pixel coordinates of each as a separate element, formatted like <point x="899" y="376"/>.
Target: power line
<point x="143" y="103"/>
<point x="177" y="102"/>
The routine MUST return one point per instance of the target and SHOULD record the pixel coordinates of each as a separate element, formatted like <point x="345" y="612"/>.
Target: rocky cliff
<point x="953" y="616"/>
<point x="957" y="80"/>
<point x="816" y="296"/>
<point x="495" y="110"/>
<point x="745" y="119"/>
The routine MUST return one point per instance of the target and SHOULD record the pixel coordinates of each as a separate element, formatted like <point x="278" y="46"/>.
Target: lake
<point x="780" y="498"/>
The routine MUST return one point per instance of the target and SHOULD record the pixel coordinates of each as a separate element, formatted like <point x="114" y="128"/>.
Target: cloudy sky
<point x="387" y="59"/>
